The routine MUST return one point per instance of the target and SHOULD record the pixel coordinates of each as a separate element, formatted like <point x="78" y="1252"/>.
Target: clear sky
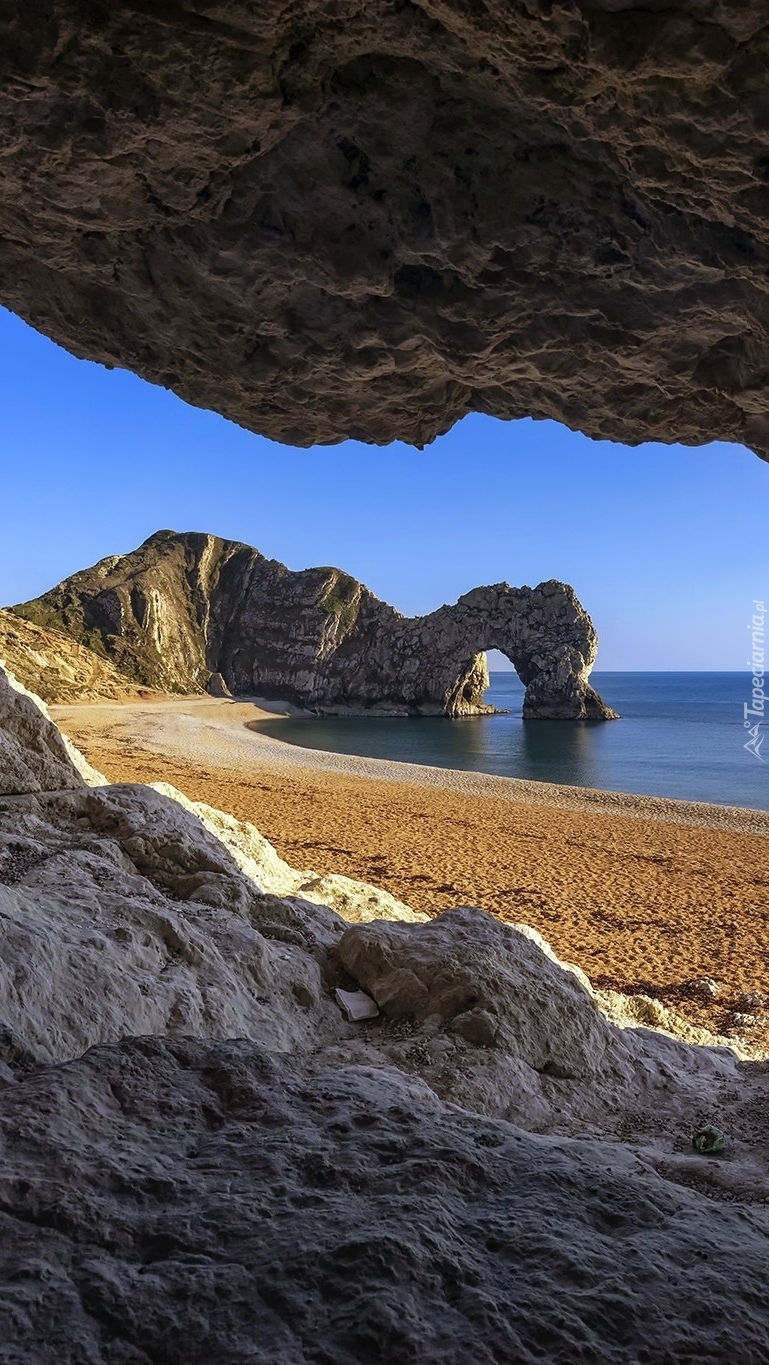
<point x="665" y="546"/>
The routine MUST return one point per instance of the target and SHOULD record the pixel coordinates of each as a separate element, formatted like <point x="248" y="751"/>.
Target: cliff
<point x="186" y="612"/>
<point x="344" y="219"/>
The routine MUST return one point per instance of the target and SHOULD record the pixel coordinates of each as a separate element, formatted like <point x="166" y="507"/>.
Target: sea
<point x="680" y="735"/>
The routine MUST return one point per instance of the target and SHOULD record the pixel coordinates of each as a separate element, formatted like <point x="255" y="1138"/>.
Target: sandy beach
<point x="645" y="894"/>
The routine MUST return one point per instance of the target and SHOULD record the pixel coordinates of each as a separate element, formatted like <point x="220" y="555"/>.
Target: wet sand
<point x="644" y="894"/>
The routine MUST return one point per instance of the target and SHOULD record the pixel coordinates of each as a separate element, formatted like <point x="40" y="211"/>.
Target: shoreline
<point x="227" y="721"/>
<point x="561" y="795"/>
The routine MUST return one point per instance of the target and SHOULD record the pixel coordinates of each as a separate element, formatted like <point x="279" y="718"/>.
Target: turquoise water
<point x="681" y="734"/>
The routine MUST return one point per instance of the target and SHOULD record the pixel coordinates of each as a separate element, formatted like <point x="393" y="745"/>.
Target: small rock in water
<point x="709" y="1141"/>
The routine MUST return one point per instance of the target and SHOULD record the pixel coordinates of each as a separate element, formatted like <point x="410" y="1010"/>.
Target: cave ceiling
<point x="367" y="219"/>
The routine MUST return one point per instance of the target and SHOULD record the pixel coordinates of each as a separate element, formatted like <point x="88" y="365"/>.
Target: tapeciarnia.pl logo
<point x="755" y="708"/>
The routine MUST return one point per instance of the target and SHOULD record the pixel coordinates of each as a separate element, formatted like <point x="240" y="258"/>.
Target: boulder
<point x="217" y="687"/>
<point x="487" y="982"/>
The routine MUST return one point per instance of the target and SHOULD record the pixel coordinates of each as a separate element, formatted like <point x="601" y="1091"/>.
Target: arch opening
<point x="546" y="636"/>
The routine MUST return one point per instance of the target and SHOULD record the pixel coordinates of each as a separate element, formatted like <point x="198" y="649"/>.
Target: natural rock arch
<point x="185" y="612"/>
<point x="544" y="632"/>
<point x="436" y="664"/>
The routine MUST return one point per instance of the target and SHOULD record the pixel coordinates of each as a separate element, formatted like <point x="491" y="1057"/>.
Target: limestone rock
<point x="217" y="687"/>
<point x="487" y="982"/>
<point x="34" y="755"/>
<point x="183" y="609"/>
<point x="355" y="220"/>
<point x="189" y="1201"/>
<point x="490" y="1162"/>
<point x="124" y="910"/>
<point x="128" y="910"/>
<point x="121" y="914"/>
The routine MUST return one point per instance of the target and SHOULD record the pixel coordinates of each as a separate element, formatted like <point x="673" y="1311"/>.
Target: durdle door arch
<point x="543" y="631"/>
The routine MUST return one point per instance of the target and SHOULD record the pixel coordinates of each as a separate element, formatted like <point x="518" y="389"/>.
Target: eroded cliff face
<point x="186" y="612"/>
<point x="342" y="219"/>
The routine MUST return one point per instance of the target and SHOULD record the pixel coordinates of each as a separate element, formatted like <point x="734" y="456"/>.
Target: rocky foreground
<point x="203" y="1160"/>
<point x="185" y="612"/>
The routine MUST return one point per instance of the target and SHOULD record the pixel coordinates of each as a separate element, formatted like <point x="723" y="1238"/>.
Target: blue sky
<point x="664" y="545"/>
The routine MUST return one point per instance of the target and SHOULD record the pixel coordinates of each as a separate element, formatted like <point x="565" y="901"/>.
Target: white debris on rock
<point x="356" y="1005"/>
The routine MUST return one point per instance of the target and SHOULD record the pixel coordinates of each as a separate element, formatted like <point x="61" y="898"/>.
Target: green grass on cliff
<point x="40" y="614"/>
<point x="341" y="599"/>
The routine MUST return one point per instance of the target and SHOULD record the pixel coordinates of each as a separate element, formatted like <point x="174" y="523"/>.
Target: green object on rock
<point x="709" y="1140"/>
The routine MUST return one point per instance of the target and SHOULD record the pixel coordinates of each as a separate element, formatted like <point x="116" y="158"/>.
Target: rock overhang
<point x="366" y="221"/>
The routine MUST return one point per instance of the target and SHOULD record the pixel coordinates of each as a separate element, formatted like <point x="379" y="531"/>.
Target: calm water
<point x="681" y="734"/>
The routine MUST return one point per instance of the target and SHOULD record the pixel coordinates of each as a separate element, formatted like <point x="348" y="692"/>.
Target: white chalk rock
<point x="128" y="910"/>
<point x="34" y="755"/>
<point x="120" y="914"/>
<point x="357" y="902"/>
